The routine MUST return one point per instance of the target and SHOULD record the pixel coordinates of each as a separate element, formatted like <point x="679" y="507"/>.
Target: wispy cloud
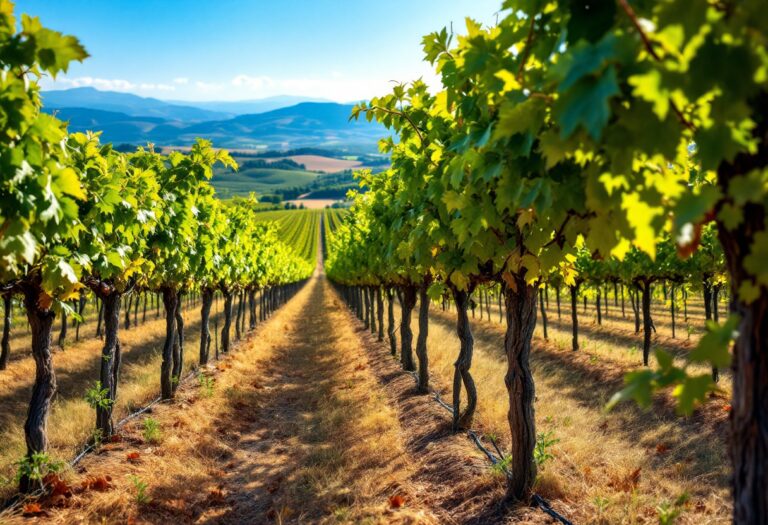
<point x="335" y="86"/>
<point x="114" y="84"/>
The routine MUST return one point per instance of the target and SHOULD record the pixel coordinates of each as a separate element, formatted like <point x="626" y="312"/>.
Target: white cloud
<point x="253" y="83"/>
<point x="100" y="83"/>
<point x="208" y="87"/>
<point x="157" y="87"/>
<point x="335" y="86"/>
<point x="110" y="84"/>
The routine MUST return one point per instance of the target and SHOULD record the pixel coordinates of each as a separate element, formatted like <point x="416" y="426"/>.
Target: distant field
<point x="321" y="163"/>
<point x="313" y="204"/>
<point x="259" y="180"/>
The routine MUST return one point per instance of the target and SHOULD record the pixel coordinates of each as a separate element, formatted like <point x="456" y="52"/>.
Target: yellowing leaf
<point x="510" y="82"/>
<point x="640" y="216"/>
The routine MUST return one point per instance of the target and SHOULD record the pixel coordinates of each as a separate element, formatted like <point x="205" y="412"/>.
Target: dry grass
<point x="71" y="419"/>
<point x="294" y="431"/>
<point x="590" y="479"/>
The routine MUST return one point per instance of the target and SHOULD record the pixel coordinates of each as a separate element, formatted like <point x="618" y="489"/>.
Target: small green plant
<point x="151" y="430"/>
<point x="601" y="504"/>
<point x="98" y="397"/>
<point x="37" y="466"/>
<point x="141" y="487"/>
<point x="501" y="467"/>
<point x="669" y="512"/>
<point x="544" y="443"/>
<point x="97" y="437"/>
<point x="206" y="385"/>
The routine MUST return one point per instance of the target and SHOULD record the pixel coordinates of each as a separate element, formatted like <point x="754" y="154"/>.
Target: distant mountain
<point x="129" y="104"/>
<point x="309" y="124"/>
<point x="245" y="107"/>
<point x="315" y="124"/>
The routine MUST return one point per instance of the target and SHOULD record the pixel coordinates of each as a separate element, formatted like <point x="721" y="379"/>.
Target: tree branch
<point x="651" y="51"/>
<point x="401" y="114"/>
<point x="526" y="50"/>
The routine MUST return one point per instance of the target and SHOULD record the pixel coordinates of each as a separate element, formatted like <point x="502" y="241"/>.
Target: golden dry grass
<point x="590" y="478"/>
<point x="71" y="419"/>
<point x="295" y="430"/>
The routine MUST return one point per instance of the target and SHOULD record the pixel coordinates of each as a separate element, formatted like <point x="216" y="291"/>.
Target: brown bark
<point x="380" y="313"/>
<point x="5" y="344"/>
<point x="749" y="414"/>
<point x="36" y="426"/>
<point x="406" y="334"/>
<point x="543" y="313"/>
<point x="463" y="420"/>
<point x="521" y="322"/>
<point x="110" y="361"/>
<point x="205" y="325"/>
<point x="646" y="301"/>
<point x="178" y="345"/>
<point x="225" y="330"/>
<point x="574" y="318"/>
<point x="391" y="321"/>
<point x="170" y="300"/>
<point x="421" y="342"/>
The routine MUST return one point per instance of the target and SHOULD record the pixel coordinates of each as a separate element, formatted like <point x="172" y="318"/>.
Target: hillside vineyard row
<point x="79" y="217"/>
<point x="573" y="142"/>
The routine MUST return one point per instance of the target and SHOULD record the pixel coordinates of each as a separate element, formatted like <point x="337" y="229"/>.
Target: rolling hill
<point x="264" y="181"/>
<point x="127" y="103"/>
<point x="126" y="118"/>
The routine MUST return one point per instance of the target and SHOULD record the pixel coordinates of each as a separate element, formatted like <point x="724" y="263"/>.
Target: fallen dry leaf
<point x="97" y="483"/>
<point x="32" y="510"/>
<point x="396" y="501"/>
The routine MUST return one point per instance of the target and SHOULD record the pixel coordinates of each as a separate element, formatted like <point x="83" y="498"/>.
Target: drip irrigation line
<point x="547" y="509"/>
<point x="442" y="403"/>
<point x="473" y="436"/>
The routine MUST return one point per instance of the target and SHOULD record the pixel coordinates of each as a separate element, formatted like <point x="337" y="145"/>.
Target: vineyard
<point x="575" y="217"/>
<point x="298" y="229"/>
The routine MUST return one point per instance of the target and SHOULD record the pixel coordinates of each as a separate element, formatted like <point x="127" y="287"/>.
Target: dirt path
<point x="322" y="444"/>
<point x="292" y="427"/>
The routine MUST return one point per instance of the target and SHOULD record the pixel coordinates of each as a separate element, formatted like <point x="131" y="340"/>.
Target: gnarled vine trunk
<point x="543" y="314"/>
<point x="646" y="299"/>
<point x="380" y="313"/>
<point x="205" y="328"/>
<point x="574" y="317"/>
<point x="5" y="344"/>
<point x="521" y="322"/>
<point x="749" y="414"/>
<point x="110" y="362"/>
<point x="36" y="426"/>
<point x="178" y="345"/>
<point x="391" y="321"/>
<point x="406" y="334"/>
<point x="225" y="330"/>
<point x="170" y="300"/>
<point x="463" y="420"/>
<point x="421" y="341"/>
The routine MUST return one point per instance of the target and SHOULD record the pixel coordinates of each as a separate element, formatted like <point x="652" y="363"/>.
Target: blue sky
<point x="341" y="50"/>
